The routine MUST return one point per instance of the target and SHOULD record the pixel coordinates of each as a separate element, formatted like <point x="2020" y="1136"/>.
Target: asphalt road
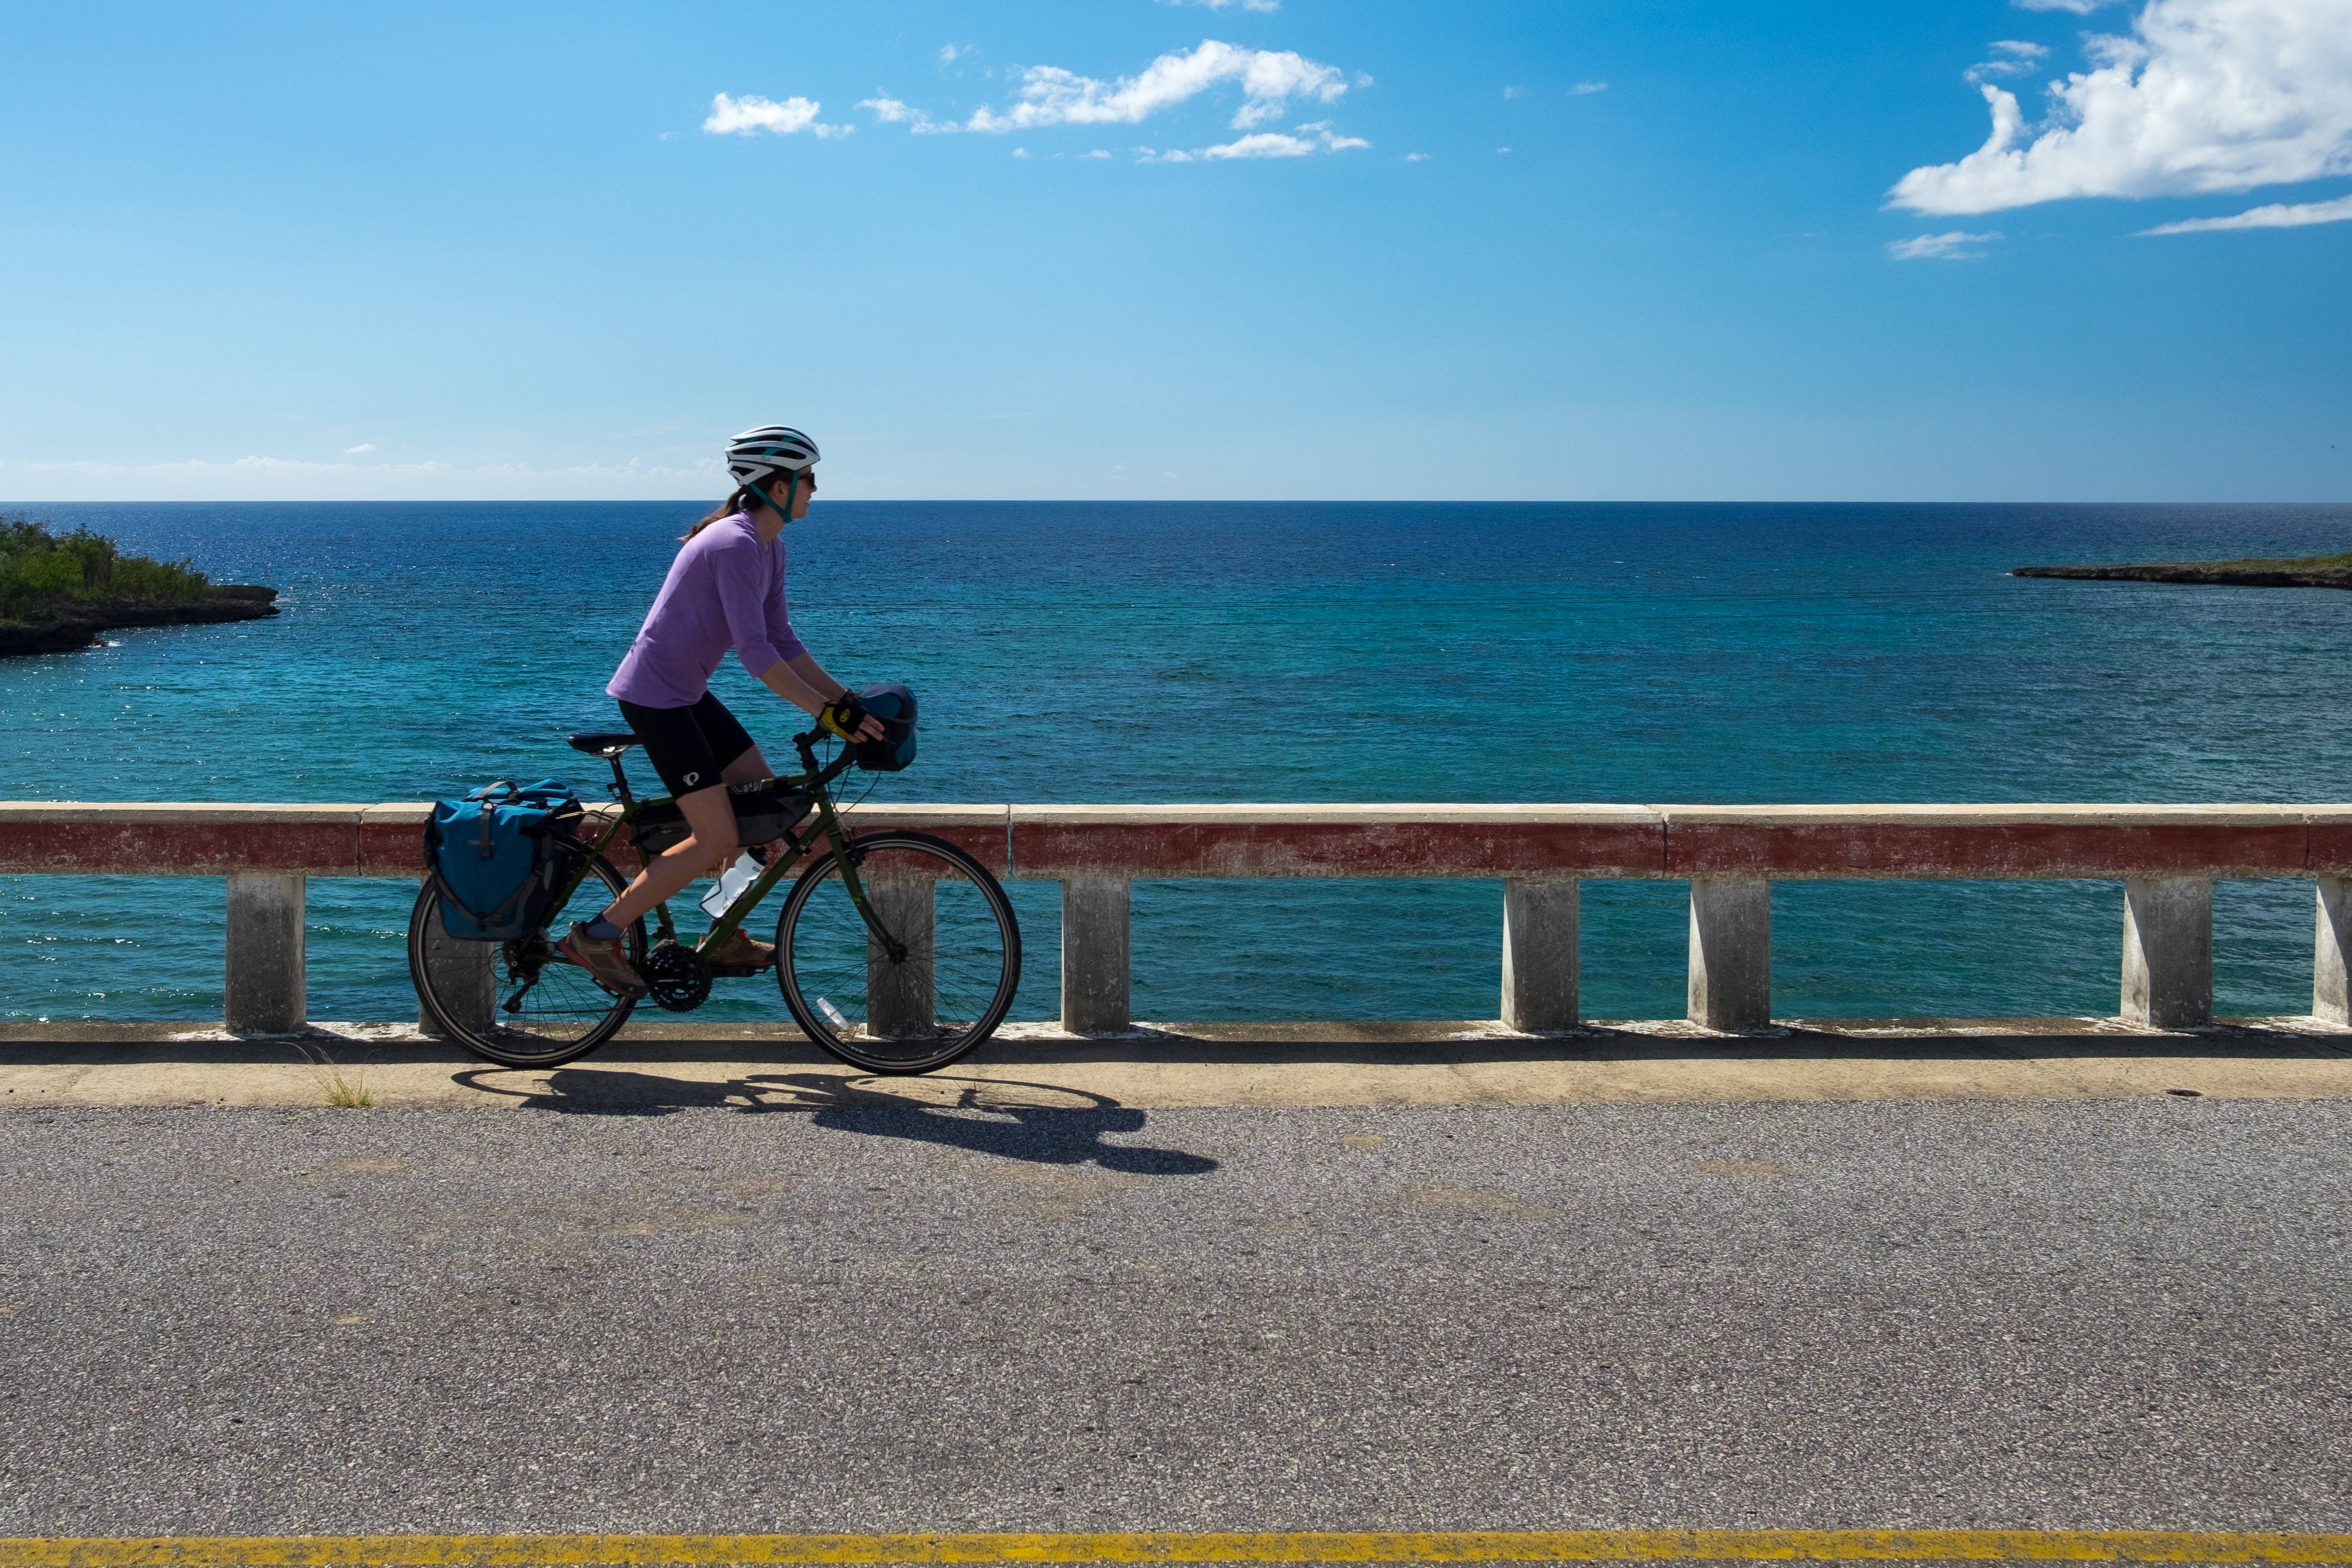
<point x="858" y="1315"/>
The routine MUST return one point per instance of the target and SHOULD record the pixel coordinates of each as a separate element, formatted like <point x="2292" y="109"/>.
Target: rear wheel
<point x="932" y="986"/>
<point x="520" y="1003"/>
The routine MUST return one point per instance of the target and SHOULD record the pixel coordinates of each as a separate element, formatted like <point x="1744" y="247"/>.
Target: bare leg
<point x="749" y="768"/>
<point x="712" y="817"/>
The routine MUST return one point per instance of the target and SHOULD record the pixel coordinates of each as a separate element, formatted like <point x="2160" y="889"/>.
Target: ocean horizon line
<point x="1137" y="501"/>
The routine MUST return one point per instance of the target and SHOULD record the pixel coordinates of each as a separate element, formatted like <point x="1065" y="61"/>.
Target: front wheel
<point x="520" y="1004"/>
<point x="934" y="983"/>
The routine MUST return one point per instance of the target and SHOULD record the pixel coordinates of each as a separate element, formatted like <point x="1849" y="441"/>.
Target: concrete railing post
<point x="462" y="979"/>
<point x="1095" y="954"/>
<point x="264" y="992"/>
<point x="1539" y="917"/>
<point x="902" y="999"/>
<point x="2169" y="951"/>
<point x="1730" y="952"/>
<point x="2331" y="967"/>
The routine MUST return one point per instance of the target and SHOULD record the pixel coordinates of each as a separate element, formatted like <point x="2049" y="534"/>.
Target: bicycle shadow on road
<point x="1041" y="1123"/>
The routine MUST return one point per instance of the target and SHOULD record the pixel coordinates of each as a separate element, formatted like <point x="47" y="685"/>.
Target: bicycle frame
<point x="824" y="826"/>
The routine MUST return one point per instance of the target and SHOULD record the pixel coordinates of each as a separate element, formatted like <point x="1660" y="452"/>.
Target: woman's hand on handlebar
<point x="801" y="681"/>
<point x="847" y="718"/>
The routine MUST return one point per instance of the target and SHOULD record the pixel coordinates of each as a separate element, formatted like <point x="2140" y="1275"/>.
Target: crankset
<point x="677" y="977"/>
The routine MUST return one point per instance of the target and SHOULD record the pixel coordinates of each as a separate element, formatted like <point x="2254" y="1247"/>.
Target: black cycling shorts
<point x="689" y="745"/>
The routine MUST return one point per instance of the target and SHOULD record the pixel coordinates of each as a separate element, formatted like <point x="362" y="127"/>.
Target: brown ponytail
<point x="742" y="500"/>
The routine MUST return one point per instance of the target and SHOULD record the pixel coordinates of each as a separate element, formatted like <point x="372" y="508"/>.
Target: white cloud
<point x="364" y="446"/>
<point x="1316" y="138"/>
<point x="751" y="113"/>
<point x="2277" y="216"/>
<point x="1221" y="5"/>
<point x="1952" y="246"/>
<point x="951" y="53"/>
<point x="894" y="111"/>
<point x="1266" y="144"/>
<point x="2202" y="96"/>
<point x="2079" y="7"/>
<point x="1098" y="153"/>
<point x="1512" y="92"/>
<point x="1583" y="88"/>
<point x="1269" y="79"/>
<point x="1021" y="152"/>
<point x="1502" y="150"/>
<point x="1416" y="157"/>
<point x="2012" y="57"/>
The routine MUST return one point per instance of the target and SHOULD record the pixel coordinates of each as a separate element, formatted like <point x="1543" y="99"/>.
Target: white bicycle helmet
<point x="758" y="455"/>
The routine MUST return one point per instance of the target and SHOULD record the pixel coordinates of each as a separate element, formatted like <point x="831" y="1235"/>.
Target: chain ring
<point x="677" y="977"/>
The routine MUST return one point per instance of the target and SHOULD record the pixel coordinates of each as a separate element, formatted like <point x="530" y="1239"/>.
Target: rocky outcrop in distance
<point x="79" y="623"/>
<point x="2305" y="571"/>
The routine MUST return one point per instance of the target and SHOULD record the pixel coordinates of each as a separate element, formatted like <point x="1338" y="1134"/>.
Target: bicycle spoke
<point x="553" y="1010"/>
<point x="936" y="980"/>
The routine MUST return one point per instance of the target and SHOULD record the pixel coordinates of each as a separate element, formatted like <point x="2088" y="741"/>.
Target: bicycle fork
<point x="855" y="886"/>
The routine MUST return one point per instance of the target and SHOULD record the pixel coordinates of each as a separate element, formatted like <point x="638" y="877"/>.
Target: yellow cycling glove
<point x="842" y="716"/>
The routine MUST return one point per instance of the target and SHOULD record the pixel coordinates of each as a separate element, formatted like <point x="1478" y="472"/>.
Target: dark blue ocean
<point x="1118" y="651"/>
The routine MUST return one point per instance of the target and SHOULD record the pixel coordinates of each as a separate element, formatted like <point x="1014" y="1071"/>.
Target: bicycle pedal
<point x="738" y="971"/>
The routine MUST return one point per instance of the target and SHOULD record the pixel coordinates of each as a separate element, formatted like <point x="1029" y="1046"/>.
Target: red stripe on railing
<point x="1142" y="848"/>
<point x="1345" y="840"/>
<point x="1990" y="850"/>
<point x="157" y="848"/>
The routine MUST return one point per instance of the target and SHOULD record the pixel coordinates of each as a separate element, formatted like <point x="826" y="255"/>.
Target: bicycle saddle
<point x="602" y="742"/>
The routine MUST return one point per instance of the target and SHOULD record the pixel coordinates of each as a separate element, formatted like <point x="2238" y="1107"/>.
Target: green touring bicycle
<point x="897" y="951"/>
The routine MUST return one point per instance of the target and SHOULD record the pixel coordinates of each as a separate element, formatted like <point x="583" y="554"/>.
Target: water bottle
<point x="730" y="885"/>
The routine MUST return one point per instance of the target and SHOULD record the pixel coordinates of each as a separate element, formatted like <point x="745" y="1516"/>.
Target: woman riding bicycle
<point x="725" y="589"/>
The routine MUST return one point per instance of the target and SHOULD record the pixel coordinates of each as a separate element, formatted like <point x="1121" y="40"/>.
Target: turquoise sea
<point x="1240" y="652"/>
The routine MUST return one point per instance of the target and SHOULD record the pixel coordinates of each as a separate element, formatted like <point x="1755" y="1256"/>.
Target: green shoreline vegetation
<point x="40" y="570"/>
<point x="2297" y="572"/>
<point x="59" y="592"/>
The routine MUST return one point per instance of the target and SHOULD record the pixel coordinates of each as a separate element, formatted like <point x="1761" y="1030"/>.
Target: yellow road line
<point x="1307" y="1546"/>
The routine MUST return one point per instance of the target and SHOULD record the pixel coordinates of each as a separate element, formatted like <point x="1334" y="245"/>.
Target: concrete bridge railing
<point x="2167" y="857"/>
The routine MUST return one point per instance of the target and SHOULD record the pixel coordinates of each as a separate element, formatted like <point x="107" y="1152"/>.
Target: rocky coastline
<point x="78" y="623"/>
<point x="2304" y="572"/>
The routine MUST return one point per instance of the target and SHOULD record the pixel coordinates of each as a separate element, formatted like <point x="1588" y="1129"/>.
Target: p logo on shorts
<point x="694" y="777"/>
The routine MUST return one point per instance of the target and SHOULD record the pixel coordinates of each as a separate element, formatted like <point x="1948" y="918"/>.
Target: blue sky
<point x="1517" y="251"/>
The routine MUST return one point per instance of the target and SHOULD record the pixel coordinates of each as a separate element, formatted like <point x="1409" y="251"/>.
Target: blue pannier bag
<point x="894" y="705"/>
<point x="494" y="858"/>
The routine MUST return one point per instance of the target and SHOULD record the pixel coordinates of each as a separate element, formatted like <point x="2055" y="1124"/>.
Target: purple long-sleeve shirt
<point x="725" y="589"/>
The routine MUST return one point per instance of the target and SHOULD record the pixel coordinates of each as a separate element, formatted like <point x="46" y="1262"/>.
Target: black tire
<point x="834" y="977"/>
<point x="543" y="1010"/>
